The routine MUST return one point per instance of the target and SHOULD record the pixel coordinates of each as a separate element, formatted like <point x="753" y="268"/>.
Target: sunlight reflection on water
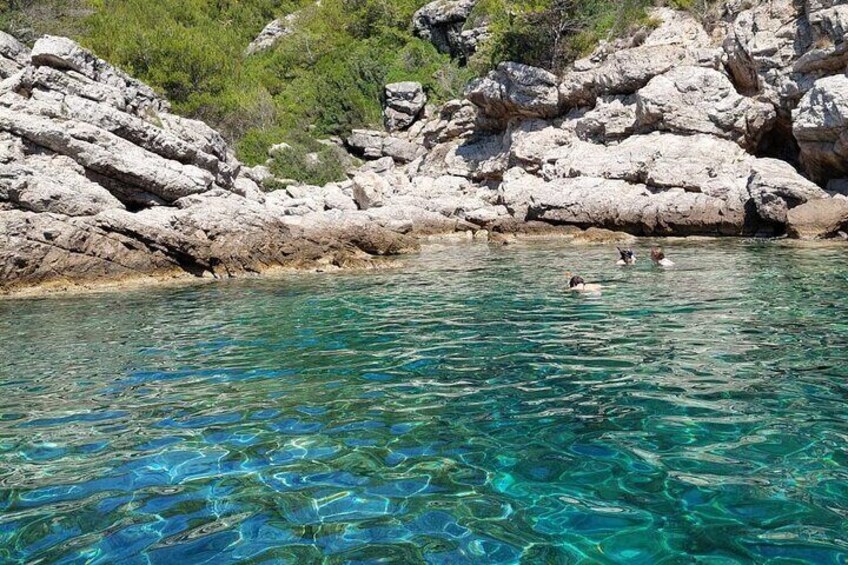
<point x="463" y="408"/>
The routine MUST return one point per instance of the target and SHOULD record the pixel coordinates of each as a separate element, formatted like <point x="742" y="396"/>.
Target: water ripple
<point x="463" y="409"/>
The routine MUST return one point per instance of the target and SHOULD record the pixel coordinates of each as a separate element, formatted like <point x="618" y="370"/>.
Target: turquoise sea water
<point x="461" y="409"/>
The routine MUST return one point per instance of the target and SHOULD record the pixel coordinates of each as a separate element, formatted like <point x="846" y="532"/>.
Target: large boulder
<point x="818" y="218"/>
<point x="13" y="55"/>
<point x="372" y="144"/>
<point x="678" y="41"/>
<point x="366" y="143"/>
<point x="441" y="23"/>
<point x="820" y="125"/>
<point x="691" y="100"/>
<point x="401" y="150"/>
<point x="514" y="90"/>
<point x="776" y="187"/>
<point x="272" y="33"/>
<point x="660" y="184"/>
<point x="404" y="103"/>
<point x="455" y="119"/>
<point x="620" y="205"/>
<point x="693" y="163"/>
<point x="369" y="189"/>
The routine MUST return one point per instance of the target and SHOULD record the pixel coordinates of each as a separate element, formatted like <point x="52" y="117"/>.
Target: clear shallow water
<point x="463" y="409"/>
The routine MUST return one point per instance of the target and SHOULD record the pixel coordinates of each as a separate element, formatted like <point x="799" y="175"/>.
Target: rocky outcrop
<point x="273" y="32"/>
<point x="100" y="182"/>
<point x="820" y="124"/>
<point x="678" y="41"/>
<point x="620" y="205"/>
<point x="659" y="184"/>
<point x="443" y="22"/>
<point x="778" y="49"/>
<point x="404" y="103"/>
<point x="13" y="55"/>
<point x="77" y="64"/>
<point x="701" y="100"/>
<point x="650" y="138"/>
<point x="372" y="144"/>
<point x="819" y="219"/>
<point x="515" y="90"/>
<point x="104" y="129"/>
<point x="667" y="135"/>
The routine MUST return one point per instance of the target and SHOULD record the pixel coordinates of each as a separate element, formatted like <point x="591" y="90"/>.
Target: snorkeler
<point x="626" y="257"/>
<point x="659" y="258"/>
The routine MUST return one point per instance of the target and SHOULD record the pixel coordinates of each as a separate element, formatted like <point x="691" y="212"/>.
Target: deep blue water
<point x="463" y="408"/>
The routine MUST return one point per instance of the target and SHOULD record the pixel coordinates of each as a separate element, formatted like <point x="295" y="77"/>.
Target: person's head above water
<point x="626" y="255"/>
<point x="574" y="281"/>
<point x="659" y="258"/>
<point x="577" y="284"/>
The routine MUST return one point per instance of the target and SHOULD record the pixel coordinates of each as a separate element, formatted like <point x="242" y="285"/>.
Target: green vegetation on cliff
<point x="29" y="19"/>
<point x="552" y="33"/>
<point x="323" y="79"/>
<point x="326" y="76"/>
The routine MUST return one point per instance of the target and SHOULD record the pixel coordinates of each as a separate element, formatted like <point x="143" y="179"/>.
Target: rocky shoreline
<point x="350" y="260"/>
<point x="738" y="132"/>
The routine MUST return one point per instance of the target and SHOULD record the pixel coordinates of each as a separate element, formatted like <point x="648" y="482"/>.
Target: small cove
<point x="463" y="408"/>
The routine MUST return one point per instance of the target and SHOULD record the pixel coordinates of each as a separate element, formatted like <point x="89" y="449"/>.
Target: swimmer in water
<point x="659" y="258"/>
<point x="577" y="284"/>
<point x="626" y="257"/>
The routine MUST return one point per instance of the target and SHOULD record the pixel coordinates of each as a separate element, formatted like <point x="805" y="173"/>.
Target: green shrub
<point x="271" y="184"/>
<point x="252" y="147"/>
<point x="552" y="33"/>
<point x="30" y="19"/>
<point x="310" y="161"/>
<point x="325" y="78"/>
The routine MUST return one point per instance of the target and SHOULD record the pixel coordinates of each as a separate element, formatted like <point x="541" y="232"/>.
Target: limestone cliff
<point x="98" y="181"/>
<point x="676" y="132"/>
<point x="740" y="131"/>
